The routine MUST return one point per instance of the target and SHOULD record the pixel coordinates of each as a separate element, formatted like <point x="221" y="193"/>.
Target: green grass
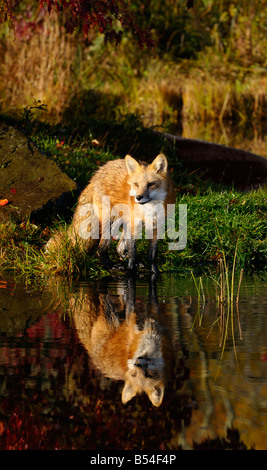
<point x="22" y="249"/>
<point x="22" y="253"/>
<point x="216" y="221"/>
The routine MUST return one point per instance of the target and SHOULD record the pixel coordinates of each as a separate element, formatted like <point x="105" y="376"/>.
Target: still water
<point x="132" y="364"/>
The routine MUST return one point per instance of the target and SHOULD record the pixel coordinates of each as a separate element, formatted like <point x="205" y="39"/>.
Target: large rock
<point x="33" y="184"/>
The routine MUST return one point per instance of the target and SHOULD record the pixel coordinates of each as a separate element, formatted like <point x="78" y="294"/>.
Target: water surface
<point x="65" y="380"/>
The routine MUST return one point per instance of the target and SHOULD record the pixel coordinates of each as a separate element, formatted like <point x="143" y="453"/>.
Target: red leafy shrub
<point x="83" y="15"/>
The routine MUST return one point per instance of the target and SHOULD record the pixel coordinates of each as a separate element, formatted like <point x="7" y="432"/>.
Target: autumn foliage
<point x="108" y="17"/>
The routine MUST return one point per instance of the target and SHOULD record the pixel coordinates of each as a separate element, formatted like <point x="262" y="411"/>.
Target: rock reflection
<point x="122" y="343"/>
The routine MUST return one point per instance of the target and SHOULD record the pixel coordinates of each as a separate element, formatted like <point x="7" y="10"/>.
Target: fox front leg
<point x="153" y="256"/>
<point x="131" y="248"/>
<point x="102" y="252"/>
<point x="122" y="247"/>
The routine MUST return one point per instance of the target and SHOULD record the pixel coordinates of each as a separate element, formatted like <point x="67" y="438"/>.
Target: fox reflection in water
<point x="122" y="344"/>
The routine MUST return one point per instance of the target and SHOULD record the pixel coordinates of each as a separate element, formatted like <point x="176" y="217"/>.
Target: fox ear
<point x="128" y="392"/>
<point x="156" y="395"/>
<point x="131" y="164"/>
<point x="160" y="164"/>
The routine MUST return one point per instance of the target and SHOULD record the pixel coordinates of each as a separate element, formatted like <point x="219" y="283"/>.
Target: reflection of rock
<point x="222" y="164"/>
<point x="32" y="183"/>
<point x="20" y="308"/>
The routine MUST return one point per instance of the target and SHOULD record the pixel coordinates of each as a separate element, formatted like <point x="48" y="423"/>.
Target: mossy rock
<point x="34" y="185"/>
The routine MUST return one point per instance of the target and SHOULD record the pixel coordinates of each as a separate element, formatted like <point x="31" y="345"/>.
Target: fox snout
<point x="142" y="198"/>
<point x="149" y="366"/>
<point x="148" y="372"/>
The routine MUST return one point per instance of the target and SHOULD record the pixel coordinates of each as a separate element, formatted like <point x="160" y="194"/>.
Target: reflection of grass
<point x="200" y="297"/>
<point x="227" y="300"/>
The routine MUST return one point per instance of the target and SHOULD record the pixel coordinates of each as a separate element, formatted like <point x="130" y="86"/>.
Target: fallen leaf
<point x="13" y="190"/>
<point x="58" y="145"/>
<point x="3" y="202"/>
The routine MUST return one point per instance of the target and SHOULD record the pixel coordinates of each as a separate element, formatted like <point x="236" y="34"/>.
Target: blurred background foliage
<point x="205" y="76"/>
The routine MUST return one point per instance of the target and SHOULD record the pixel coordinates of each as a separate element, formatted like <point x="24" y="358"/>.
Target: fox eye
<point x="136" y="185"/>
<point x="151" y="184"/>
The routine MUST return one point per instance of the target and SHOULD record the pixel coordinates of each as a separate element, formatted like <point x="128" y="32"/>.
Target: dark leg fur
<point x="153" y="256"/>
<point x="131" y="248"/>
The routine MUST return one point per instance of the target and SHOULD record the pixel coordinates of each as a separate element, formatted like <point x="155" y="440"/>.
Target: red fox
<point x="133" y="349"/>
<point x="128" y="192"/>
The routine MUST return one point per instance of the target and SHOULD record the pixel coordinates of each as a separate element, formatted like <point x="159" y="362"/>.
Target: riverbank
<point x="221" y="220"/>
